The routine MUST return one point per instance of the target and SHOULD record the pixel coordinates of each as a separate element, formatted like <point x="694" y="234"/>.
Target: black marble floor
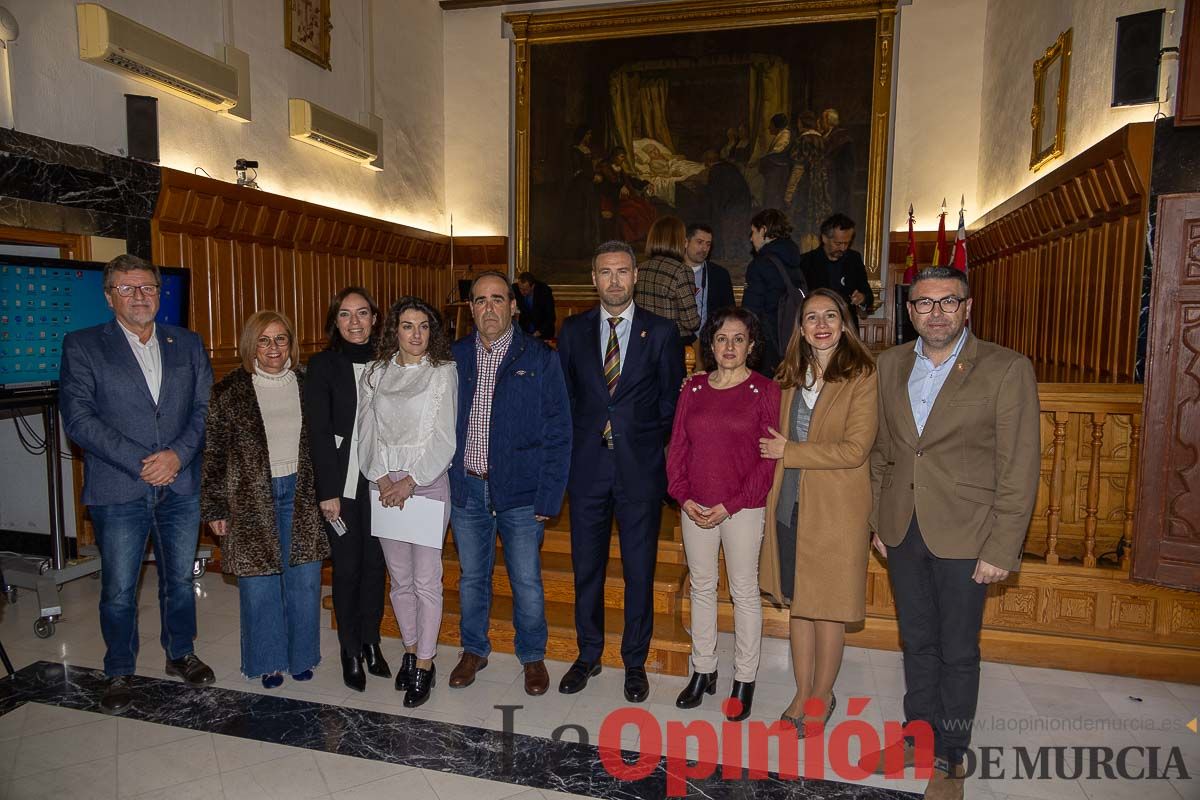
<point x="473" y="752"/>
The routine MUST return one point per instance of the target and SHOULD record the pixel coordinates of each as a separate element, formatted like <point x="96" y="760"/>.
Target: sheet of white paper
<point x="421" y="521"/>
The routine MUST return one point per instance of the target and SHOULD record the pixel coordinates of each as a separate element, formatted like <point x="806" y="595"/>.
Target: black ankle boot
<point x="422" y="683"/>
<point x="745" y="693"/>
<point x="700" y="685"/>
<point x="404" y="675"/>
<point x="352" y="672"/>
<point x="376" y="664"/>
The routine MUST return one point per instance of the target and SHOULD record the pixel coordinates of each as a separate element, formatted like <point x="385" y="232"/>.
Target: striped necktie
<point x="612" y="369"/>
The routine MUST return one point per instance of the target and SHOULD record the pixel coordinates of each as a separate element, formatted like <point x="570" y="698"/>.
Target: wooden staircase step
<point x="669" y="649"/>
<point x="558" y="580"/>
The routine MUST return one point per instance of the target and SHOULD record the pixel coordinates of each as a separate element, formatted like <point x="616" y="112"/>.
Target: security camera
<point x="242" y="163"/>
<point x="241" y="167"/>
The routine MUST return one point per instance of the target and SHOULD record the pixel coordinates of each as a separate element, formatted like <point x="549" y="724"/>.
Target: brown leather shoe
<point x="464" y="673"/>
<point x="537" y="680"/>
<point x="946" y="785"/>
<point x="896" y="755"/>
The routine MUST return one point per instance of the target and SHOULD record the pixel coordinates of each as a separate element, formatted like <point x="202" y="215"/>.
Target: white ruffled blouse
<point x="406" y="419"/>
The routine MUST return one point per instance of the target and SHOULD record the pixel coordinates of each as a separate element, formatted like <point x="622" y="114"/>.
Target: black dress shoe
<point x="191" y="669"/>
<point x="376" y="664"/>
<point x="117" y="695"/>
<point x="700" y="685"/>
<point x="577" y="676"/>
<point x="352" y="672"/>
<point x="637" y="685"/>
<point x="404" y="675"/>
<point x="422" y="682"/>
<point x="745" y="693"/>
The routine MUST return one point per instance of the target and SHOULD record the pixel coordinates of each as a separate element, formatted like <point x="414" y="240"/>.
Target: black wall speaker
<point x="141" y="127"/>
<point x="1135" y="67"/>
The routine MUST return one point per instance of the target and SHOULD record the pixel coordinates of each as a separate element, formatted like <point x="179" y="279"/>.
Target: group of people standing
<point x="930" y="453"/>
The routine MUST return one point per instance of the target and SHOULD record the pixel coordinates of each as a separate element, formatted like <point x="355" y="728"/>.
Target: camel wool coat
<point x="832" y="539"/>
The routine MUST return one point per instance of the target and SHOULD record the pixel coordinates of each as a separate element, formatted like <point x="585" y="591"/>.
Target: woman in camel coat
<point x="816" y="542"/>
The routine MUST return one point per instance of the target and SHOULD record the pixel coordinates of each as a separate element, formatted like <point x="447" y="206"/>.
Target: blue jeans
<point x="281" y="613"/>
<point x="475" y="526"/>
<point x="172" y="523"/>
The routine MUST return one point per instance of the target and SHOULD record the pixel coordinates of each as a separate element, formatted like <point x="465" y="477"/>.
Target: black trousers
<point x="940" y="611"/>
<point x="359" y="573"/>
<point x="591" y="536"/>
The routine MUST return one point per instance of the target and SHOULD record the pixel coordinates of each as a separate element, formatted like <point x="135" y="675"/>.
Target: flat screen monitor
<point x="44" y="299"/>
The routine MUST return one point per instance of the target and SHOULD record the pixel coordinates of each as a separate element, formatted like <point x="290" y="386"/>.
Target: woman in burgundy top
<point x="721" y="482"/>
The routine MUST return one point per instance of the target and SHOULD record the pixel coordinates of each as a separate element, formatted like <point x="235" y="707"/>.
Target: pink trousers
<point x="416" y="576"/>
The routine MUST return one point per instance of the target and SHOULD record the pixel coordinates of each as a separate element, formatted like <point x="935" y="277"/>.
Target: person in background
<point x="141" y="438"/>
<point x="258" y="496"/>
<point x="714" y="287"/>
<point x="623" y="367"/>
<point x="814" y="554"/>
<point x="665" y="286"/>
<point x="508" y="476"/>
<point x="535" y="306"/>
<point x="715" y="471"/>
<point x="833" y="265"/>
<point x="776" y="264"/>
<point x="331" y="408"/>
<point x="406" y="441"/>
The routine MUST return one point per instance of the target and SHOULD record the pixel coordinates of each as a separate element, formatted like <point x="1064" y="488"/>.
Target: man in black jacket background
<point x="835" y="266"/>
<point x="535" y="302"/>
<point x="714" y="287"/>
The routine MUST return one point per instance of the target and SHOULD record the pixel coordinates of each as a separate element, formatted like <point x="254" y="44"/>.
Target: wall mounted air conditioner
<point x="122" y="45"/>
<point x="322" y="128"/>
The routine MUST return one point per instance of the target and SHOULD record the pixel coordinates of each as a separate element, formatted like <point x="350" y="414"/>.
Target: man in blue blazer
<point x="134" y="396"/>
<point x="508" y="475"/>
<point x="623" y="367"/>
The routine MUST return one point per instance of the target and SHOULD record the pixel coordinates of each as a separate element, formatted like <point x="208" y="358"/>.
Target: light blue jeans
<point x="281" y="613"/>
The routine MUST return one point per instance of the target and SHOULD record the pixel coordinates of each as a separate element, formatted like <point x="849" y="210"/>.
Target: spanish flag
<point x="940" y="250"/>
<point x="959" y="262"/>
<point x="910" y="260"/>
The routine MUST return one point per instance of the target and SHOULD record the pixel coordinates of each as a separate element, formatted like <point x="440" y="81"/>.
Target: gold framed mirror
<point x="1051" y="74"/>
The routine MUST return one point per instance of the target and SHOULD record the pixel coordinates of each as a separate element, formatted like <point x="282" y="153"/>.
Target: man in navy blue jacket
<point x="623" y="367"/>
<point x="134" y="397"/>
<point x="508" y="474"/>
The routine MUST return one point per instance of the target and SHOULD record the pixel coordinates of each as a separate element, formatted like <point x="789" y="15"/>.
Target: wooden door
<point x="1167" y="531"/>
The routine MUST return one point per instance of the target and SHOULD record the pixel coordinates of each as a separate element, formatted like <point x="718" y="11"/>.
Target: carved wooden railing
<point x="1086" y="499"/>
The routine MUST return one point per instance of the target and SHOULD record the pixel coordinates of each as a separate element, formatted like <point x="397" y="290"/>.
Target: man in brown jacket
<point x="954" y="473"/>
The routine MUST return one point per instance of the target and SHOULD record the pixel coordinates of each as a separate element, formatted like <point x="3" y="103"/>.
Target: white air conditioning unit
<point x="322" y="128"/>
<point x="120" y="44"/>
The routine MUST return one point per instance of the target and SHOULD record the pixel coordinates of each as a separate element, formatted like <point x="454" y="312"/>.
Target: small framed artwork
<point x="306" y="30"/>
<point x="1051" y="75"/>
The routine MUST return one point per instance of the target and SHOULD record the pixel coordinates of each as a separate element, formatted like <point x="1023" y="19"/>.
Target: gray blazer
<point x="107" y="409"/>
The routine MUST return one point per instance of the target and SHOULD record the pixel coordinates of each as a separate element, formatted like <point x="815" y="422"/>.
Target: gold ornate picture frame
<point x="306" y="29"/>
<point x="1051" y="76"/>
<point x="531" y="30"/>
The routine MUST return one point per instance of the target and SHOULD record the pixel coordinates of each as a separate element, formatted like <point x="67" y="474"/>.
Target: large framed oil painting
<point x="705" y="110"/>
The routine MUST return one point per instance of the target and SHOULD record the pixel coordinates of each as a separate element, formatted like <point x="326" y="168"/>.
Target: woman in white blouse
<point x="407" y="404"/>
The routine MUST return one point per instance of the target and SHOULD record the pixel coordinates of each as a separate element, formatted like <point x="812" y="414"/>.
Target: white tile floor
<point x="51" y="752"/>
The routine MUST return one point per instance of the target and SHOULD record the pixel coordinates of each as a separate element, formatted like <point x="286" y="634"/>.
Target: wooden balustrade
<point x="1086" y="502"/>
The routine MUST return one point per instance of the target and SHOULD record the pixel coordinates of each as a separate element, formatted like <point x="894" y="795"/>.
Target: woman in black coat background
<point x="330" y="407"/>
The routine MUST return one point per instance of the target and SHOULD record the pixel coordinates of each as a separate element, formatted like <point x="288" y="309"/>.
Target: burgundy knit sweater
<point x="714" y="455"/>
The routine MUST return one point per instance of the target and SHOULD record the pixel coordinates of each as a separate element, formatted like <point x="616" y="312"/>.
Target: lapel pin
<point x="643" y="334"/>
<point x="170" y="340"/>
<point x="520" y="372"/>
<point x="961" y="367"/>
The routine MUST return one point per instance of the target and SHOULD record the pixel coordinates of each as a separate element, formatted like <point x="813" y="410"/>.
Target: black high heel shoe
<point x="352" y="672"/>
<point x="743" y="691"/>
<point x="422" y="683"/>
<point x="376" y="664"/>
<point x="700" y="685"/>
<point x="404" y="675"/>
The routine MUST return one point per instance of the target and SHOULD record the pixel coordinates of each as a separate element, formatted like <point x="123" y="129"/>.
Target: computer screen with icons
<point x="44" y="299"/>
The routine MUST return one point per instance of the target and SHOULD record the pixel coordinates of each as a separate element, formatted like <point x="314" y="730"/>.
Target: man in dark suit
<point x="535" y="302"/>
<point x="835" y="266"/>
<point x="134" y="397"/>
<point x="714" y="287"/>
<point x="623" y="368"/>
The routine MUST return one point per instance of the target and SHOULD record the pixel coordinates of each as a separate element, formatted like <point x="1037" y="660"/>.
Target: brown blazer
<point x="832" y="541"/>
<point x="972" y="476"/>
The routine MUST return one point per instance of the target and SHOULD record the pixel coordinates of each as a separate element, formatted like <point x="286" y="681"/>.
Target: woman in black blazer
<point x="330" y="408"/>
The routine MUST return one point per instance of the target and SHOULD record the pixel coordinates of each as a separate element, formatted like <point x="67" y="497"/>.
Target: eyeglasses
<point x="125" y="290"/>
<point x="282" y="340"/>
<point x="948" y="305"/>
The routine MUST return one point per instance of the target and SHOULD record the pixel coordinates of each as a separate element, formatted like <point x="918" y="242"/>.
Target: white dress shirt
<point x="925" y="381"/>
<point x="148" y="356"/>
